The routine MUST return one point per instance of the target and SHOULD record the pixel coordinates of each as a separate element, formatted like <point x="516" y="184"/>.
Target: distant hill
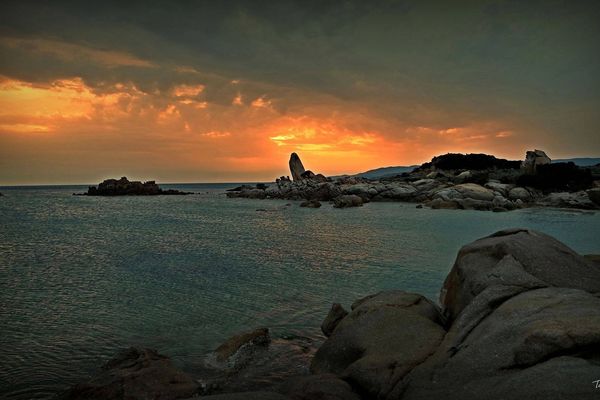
<point x="582" y="162"/>
<point x="384" y="172"/>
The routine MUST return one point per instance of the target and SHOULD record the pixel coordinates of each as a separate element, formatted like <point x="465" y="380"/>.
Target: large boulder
<point x="318" y="387"/>
<point x="465" y="190"/>
<point x="382" y="339"/>
<point x="260" y="395"/>
<point x="580" y="200"/>
<point x="533" y="159"/>
<point x="296" y="167"/>
<point x="511" y="261"/>
<point x="539" y="344"/>
<point x="336" y="314"/>
<point x="594" y="195"/>
<point x="348" y="200"/>
<point x="519" y="193"/>
<point x="524" y="322"/>
<point x="135" y="374"/>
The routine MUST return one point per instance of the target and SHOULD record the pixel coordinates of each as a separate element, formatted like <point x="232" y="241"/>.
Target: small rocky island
<point x="450" y="181"/>
<point x="518" y="318"/>
<point x="125" y="187"/>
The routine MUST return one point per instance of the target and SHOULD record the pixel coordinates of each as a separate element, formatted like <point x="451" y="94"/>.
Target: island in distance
<point x="125" y="187"/>
<point x="450" y="181"/>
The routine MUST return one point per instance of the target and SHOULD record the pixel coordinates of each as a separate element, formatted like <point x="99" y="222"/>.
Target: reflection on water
<point x="81" y="277"/>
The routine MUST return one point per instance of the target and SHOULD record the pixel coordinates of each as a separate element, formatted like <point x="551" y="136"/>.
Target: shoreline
<point x="452" y="181"/>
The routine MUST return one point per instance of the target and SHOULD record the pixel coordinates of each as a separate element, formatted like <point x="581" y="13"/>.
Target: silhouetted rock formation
<point x="124" y="187"/>
<point x="533" y="159"/>
<point x="452" y="181"/>
<point x="558" y="177"/>
<point x="453" y="161"/>
<point x="296" y="167"/>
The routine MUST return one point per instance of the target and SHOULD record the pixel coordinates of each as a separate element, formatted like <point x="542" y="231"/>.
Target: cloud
<point x="354" y="85"/>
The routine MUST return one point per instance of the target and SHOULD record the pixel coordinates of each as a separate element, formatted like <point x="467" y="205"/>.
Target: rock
<point x="124" y="187"/>
<point x="477" y="162"/>
<point x="533" y="159"/>
<point x="135" y="374"/>
<point x="381" y="340"/>
<point x="398" y="191"/>
<point x="425" y="184"/>
<point x="501" y="188"/>
<point x="347" y="200"/>
<point x="312" y="176"/>
<point x="519" y="193"/>
<point x="511" y="261"/>
<point x="594" y="195"/>
<point x="318" y="387"/>
<point x="535" y="345"/>
<point x="558" y="177"/>
<point x="579" y="200"/>
<point x="463" y="176"/>
<point x="465" y="190"/>
<point x="256" y="367"/>
<point x="336" y="314"/>
<point x="438" y="203"/>
<point x="310" y="204"/>
<point x="261" y="395"/>
<point x="594" y="258"/>
<point x="296" y="167"/>
<point x="258" y="336"/>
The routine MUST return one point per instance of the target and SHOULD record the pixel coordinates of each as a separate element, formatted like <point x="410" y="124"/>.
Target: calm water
<point x="81" y="277"/>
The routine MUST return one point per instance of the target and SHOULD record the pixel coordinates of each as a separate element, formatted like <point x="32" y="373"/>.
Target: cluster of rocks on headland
<point x="125" y="187"/>
<point x="450" y="181"/>
<point x="519" y="319"/>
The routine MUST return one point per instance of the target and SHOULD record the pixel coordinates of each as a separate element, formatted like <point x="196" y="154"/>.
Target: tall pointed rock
<point x="296" y="167"/>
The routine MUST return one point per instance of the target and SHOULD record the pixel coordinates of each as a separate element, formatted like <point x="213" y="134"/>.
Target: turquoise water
<point x="81" y="277"/>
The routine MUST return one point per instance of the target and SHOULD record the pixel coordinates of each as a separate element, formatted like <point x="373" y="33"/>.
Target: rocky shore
<point x="125" y="187"/>
<point x="451" y="181"/>
<point x="518" y="317"/>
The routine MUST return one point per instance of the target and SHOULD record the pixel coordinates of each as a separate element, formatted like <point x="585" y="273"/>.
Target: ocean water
<point x="82" y="277"/>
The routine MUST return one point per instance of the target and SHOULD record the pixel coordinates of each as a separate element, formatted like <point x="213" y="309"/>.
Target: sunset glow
<point x="81" y="110"/>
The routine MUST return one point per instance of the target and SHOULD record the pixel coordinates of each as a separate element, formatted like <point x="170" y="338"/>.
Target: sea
<point x="83" y="277"/>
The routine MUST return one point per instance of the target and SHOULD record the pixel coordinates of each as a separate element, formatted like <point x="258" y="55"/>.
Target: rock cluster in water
<point x="519" y="319"/>
<point x="125" y="187"/>
<point x="451" y="181"/>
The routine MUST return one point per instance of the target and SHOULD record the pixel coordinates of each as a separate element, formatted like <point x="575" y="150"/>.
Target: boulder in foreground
<point x="135" y="374"/>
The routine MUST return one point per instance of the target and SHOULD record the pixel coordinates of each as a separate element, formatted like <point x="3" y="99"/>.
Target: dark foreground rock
<point x="124" y="187"/>
<point x="380" y="341"/>
<point x="311" y="204"/>
<point x="135" y="374"/>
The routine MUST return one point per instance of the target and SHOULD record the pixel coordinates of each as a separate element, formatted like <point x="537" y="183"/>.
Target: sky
<point x="218" y="91"/>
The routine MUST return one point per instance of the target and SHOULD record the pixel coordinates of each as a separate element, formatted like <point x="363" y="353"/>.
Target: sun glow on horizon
<point x="210" y="136"/>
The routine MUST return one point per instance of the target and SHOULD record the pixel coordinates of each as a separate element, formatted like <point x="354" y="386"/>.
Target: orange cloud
<point x="188" y="90"/>
<point x="59" y="128"/>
